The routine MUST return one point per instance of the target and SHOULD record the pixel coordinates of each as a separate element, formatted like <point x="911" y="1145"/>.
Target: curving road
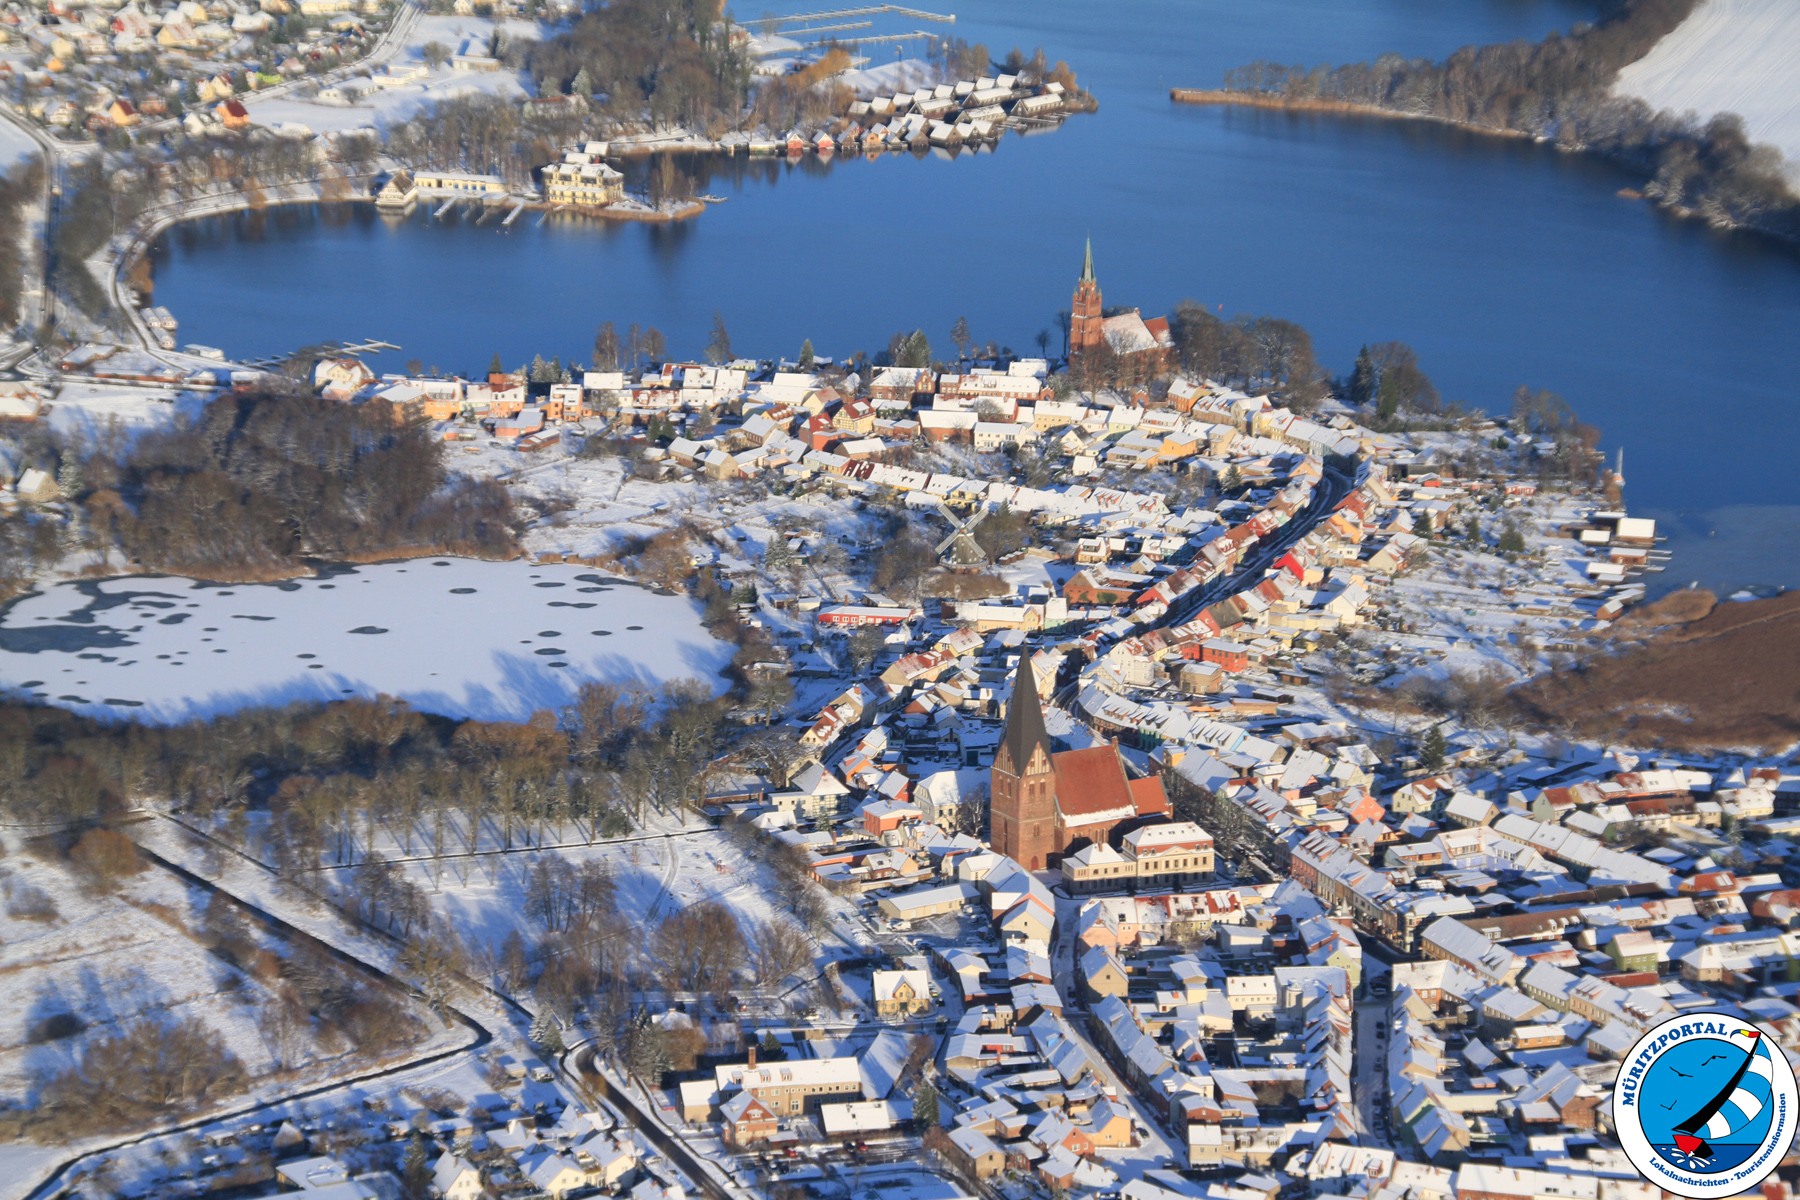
<point x="58" y="1178"/>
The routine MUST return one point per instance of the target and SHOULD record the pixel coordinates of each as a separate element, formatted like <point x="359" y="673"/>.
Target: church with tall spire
<point x="1146" y="346"/>
<point x="1045" y="803"/>
<point x="1085" y="321"/>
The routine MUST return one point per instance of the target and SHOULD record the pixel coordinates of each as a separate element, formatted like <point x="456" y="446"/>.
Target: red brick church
<point x="1127" y="333"/>
<point x="1046" y="804"/>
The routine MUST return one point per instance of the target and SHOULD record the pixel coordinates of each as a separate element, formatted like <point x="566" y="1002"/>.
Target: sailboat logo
<point x="1705" y="1101"/>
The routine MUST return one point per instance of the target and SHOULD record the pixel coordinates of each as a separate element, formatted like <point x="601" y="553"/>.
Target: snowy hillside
<point x="1737" y="56"/>
<point x="453" y="636"/>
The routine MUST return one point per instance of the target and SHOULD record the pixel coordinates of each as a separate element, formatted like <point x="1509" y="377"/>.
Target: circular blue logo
<point x="1705" y="1102"/>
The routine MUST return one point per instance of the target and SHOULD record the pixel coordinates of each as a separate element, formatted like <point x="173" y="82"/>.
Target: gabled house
<point x="455" y="1178"/>
<point x="747" y="1120"/>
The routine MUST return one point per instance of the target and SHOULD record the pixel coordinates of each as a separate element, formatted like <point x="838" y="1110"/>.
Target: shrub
<point x="25" y="902"/>
<point x="138" y="1075"/>
<point x="104" y="857"/>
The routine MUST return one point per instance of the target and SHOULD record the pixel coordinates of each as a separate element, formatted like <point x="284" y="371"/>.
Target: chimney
<point x="753" y="1053"/>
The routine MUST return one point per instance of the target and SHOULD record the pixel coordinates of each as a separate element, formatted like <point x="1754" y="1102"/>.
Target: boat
<point x="711" y="199"/>
<point x="1731" y="1108"/>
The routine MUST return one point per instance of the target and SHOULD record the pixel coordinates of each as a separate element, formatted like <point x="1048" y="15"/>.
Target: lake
<point x="490" y="640"/>
<point x="1503" y="262"/>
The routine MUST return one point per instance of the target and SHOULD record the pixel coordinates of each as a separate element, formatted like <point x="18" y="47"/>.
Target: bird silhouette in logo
<point x="1683" y="1074"/>
<point x="1715" y="1058"/>
<point x="1688" y="1143"/>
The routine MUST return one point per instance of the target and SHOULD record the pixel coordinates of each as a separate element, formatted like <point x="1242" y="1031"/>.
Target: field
<point x="86" y="963"/>
<point x="483" y="895"/>
<point x="1725" y="681"/>
<point x="1730" y="56"/>
<point x="494" y="641"/>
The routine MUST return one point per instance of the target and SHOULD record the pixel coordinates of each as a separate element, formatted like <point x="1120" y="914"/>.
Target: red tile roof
<point x="1149" y="795"/>
<point x="1091" y="781"/>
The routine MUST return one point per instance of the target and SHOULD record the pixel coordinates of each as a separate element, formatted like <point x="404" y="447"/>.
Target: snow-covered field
<point x="1730" y="56"/>
<point x="87" y="409"/>
<point x="484" y="896"/>
<point x="454" y="636"/>
<point x="107" y="960"/>
<point x="388" y="106"/>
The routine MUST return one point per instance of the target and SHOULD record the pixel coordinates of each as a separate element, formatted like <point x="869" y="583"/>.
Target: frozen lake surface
<point x="490" y="640"/>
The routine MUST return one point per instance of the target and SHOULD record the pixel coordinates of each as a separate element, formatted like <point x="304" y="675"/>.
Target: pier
<point x="839" y="14"/>
<point x="366" y="346"/>
<point x="869" y="41"/>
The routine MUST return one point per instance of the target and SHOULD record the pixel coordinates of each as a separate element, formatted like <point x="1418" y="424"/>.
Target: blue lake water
<point x="1503" y="262"/>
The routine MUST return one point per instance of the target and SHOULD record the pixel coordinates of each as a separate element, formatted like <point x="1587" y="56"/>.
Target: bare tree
<point x="778" y="950"/>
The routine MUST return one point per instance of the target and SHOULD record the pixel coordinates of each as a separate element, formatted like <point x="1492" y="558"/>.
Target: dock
<point x="445" y="207"/>
<point x="839" y="14"/>
<point x="366" y="346"/>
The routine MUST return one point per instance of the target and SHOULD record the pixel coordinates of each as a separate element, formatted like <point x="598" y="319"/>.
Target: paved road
<point x="1062" y="962"/>
<point x="1369" y="1077"/>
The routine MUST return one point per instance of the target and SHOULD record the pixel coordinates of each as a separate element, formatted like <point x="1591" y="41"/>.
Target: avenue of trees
<point x="1559" y="88"/>
<point x="17" y="188"/>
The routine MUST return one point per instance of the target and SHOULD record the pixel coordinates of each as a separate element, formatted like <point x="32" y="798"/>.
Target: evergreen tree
<point x="806" y="355"/>
<point x="1475" y="530"/>
<point x="1362" y="378"/>
<point x="1389" y="402"/>
<point x="918" y="350"/>
<point x="1431" y="750"/>
<point x="582" y="85"/>
<point x="1232" y="480"/>
<point x="495" y="367"/>
<point x="545" y="1033"/>
<point x="718" y="346"/>
<point x="925" y="1105"/>
<point x="959" y="336"/>
<point x="68" y="477"/>
<point x="646" y="1051"/>
<point x="770" y="1050"/>
<point x="1512" y="540"/>
<point x="415" y="1167"/>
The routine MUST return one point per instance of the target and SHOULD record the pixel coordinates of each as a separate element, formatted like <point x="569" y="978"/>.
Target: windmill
<point x="961" y="548"/>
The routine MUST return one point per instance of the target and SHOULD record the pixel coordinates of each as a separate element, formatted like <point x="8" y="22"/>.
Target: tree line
<point x="1262" y="353"/>
<point x="673" y="59"/>
<point x="1560" y="89"/>
<point x="258" y="481"/>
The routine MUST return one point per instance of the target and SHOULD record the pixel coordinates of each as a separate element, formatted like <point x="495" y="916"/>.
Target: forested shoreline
<point x="1559" y="90"/>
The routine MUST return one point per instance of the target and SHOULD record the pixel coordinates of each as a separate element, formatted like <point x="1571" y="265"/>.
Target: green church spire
<point x="1087" y="263"/>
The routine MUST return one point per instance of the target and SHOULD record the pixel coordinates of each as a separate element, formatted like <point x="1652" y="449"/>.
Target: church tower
<point x="1022" y="787"/>
<point x="1084" y="313"/>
